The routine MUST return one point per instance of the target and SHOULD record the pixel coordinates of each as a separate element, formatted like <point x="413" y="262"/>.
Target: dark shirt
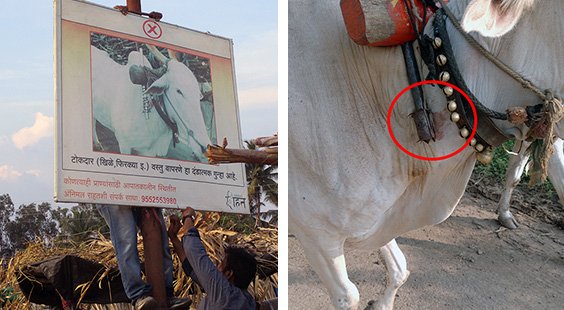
<point x="220" y="293"/>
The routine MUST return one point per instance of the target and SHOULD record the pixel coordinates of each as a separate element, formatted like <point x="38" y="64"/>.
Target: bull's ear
<point x="493" y="18"/>
<point x="158" y="87"/>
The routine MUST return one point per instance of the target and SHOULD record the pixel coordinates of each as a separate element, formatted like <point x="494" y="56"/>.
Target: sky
<point x="26" y="79"/>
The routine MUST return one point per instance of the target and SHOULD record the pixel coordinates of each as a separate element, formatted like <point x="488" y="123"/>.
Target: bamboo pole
<point x="151" y="230"/>
<point x="134" y="6"/>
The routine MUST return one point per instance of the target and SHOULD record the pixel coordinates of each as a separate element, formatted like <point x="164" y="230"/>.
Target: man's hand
<point x="173" y="229"/>
<point x="187" y="216"/>
<point x="188" y="211"/>
<point x="174" y="226"/>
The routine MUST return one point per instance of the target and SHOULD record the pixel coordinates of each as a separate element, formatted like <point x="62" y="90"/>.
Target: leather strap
<point x="487" y="133"/>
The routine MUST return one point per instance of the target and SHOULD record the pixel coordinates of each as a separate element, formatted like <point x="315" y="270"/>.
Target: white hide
<point x="348" y="180"/>
<point x="515" y="169"/>
<point x="118" y="105"/>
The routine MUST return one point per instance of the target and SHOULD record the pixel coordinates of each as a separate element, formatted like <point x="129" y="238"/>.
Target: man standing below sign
<point x="225" y="285"/>
<point x="123" y="232"/>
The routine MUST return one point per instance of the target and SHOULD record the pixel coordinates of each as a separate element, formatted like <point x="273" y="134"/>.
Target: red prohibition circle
<point x="152" y="29"/>
<point x="441" y="157"/>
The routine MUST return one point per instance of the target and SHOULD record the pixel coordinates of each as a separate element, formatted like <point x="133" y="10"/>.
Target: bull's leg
<point x="397" y="273"/>
<point x="514" y="171"/>
<point x="326" y="256"/>
<point x="556" y="169"/>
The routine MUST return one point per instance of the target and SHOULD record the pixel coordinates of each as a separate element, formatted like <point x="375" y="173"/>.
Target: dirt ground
<point x="466" y="262"/>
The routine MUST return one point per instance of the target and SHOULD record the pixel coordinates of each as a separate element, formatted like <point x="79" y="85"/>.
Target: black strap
<point x="440" y="31"/>
<point x="159" y="105"/>
<point x="431" y="3"/>
<point x="487" y="133"/>
<point x="425" y="43"/>
<point x="151" y="75"/>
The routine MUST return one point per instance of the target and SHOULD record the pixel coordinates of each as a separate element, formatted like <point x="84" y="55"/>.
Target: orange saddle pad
<point x="382" y="22"/>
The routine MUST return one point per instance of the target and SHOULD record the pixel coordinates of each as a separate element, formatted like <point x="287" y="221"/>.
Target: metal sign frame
<point x="104" y="153"/>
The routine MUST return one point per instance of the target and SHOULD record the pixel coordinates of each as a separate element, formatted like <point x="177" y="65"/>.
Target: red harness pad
<point x="381" y="22"/>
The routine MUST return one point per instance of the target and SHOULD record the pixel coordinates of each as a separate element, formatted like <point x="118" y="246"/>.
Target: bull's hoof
<point x="370" y="305"/>
<point x="508" y="221"/>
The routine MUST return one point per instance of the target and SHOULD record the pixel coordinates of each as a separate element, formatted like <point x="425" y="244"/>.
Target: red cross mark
<point x="152" y="29"/>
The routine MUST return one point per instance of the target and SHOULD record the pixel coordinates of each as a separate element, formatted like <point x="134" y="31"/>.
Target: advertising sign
<point x="137" y="103"/>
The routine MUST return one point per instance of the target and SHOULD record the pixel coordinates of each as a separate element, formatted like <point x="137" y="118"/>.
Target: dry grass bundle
<point x="36" y="250"/>
<point x="216" y="239"/>
<point x="100" y="250"/>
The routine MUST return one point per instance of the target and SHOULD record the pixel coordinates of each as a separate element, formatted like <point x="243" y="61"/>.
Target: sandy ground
<point x="466" y="262"/>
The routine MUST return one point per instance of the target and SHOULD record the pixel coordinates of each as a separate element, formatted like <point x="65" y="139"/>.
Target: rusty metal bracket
<point x="125" y="10"/>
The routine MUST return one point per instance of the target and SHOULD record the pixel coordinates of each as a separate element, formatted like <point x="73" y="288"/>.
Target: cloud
<point x="9" y="173"/>
<point x="33" y="172"/>
<point x="258" y="98"/>
<point x="257" y="67"/>
<point x="257" y="60"/>
<point x="27" y="136"/>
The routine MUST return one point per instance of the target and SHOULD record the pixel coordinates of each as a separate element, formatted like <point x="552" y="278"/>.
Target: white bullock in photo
<point x="118" y="105"/>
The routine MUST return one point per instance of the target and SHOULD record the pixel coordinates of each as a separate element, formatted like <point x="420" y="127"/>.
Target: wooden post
<point x="154" y="262"/>
<point x="151" y="230"/>
<point x="134" y="6"/>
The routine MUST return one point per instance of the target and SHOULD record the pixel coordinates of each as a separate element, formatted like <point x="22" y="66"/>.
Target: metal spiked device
<point x="423" y="123"/>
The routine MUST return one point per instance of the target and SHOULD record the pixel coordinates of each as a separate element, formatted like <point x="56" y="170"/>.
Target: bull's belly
<point x="370" y="208"/>
<point x="339" y="198"/>
<point x="143" y="138"/>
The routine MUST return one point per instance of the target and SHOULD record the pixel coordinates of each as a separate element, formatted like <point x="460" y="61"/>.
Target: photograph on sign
<point x="137" y="104"/>
<point x="172" y="98"/>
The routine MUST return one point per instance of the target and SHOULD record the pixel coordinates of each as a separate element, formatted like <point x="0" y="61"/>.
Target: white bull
<point x="118" y="105"/>
<point x="349" y="182"/>
<point x="515" y="169"/>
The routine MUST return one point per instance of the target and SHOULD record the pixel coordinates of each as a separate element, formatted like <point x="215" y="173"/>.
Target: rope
<point x="415" y="12"/>
<point x="553" y="112"/>
<point x="552" y="103"/>
<point x="425" y="43"/>
<point x="516" y="76"/>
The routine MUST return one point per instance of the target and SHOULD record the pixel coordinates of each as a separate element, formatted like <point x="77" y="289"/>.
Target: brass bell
<point x="437" y="43"/>
<point x="451" y="105"/>
<point x="444" y="76"/>
<point x="448" y="91"/>
<point x="484" y="157"/>
<point x="464" y="133"/>
<point x="441" y="60"/>
<point x="454" y="117"/>
<point x="479" y="147"/>
<point x="473" y="142"/>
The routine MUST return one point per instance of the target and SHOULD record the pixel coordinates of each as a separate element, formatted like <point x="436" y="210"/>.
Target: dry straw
<point x="100" y="250"/>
